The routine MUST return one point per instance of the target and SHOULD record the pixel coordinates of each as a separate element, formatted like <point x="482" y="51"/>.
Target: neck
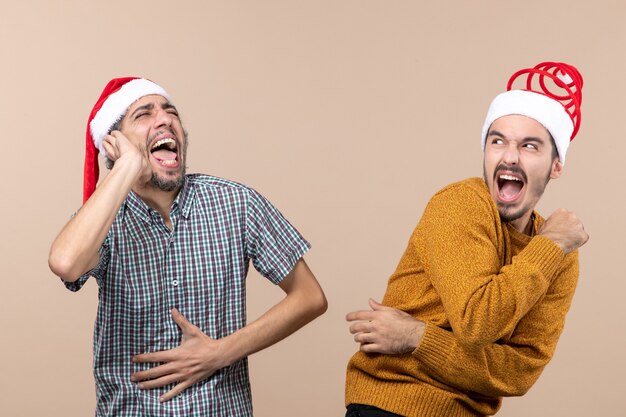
<point x="525" y="224"/>
<point x="159" y="200"/>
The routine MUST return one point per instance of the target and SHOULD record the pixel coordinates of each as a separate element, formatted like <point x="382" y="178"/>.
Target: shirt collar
<point x="184" y="202"/>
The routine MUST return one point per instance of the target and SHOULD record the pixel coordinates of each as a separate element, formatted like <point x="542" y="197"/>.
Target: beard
<point x="166" y="184"/>
<point x="171" y="184"/>
<point x="509" y="212"/>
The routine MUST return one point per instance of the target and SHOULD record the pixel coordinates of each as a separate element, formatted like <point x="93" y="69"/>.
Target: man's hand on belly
<point x="197" y="358"/>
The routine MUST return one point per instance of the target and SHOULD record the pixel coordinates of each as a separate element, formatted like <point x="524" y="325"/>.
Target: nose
<point x="511" y="155"/>
<point x="162" y="118"/>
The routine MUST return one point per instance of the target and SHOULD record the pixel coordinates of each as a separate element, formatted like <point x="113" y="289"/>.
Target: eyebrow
<point x="148" y="106"/>
<point x="526" y="139"/>
<point x="165" y="106"/>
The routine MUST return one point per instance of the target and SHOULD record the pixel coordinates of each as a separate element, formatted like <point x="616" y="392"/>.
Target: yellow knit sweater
<point x="494" y="301"/>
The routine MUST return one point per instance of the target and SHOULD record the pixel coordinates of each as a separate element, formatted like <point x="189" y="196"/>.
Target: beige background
<point x="348" y="115"/>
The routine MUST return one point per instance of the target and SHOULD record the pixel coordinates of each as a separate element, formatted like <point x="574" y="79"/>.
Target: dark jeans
<point x="360" y="410"/>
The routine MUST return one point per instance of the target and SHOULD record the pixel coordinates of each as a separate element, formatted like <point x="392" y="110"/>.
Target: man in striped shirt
<point x="170" y="253"/>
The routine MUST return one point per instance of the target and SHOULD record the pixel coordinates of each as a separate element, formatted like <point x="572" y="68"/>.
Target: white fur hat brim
<point x="549" y="112"/>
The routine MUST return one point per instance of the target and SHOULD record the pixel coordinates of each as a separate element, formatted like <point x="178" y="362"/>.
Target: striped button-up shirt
<point x="199" y="267"/>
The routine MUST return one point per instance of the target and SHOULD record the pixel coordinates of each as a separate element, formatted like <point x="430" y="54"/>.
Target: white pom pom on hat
<point x="558" y="112"/>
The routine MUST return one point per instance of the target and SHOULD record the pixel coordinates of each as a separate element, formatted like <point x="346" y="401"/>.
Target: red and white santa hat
<point x="112" y="105"/>
<point x="553" y="99"/>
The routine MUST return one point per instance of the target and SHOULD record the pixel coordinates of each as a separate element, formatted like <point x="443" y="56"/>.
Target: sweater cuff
<point x="434" y="348"/>
<point x="545" y="254"/>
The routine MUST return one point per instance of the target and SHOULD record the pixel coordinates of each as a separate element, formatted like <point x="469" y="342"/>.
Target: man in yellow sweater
<point x="478" y="301"/>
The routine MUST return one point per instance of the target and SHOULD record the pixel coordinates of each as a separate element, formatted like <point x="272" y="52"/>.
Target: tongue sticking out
<point x="164" y="155"/>
<point x="510" y="189"/>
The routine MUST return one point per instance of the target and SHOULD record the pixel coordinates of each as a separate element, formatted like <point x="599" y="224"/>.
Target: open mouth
<point x="165" y="151"/>
<point x="510" y="186"/>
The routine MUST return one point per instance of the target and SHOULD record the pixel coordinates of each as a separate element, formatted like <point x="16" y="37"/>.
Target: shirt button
<point x="175" y="282"/>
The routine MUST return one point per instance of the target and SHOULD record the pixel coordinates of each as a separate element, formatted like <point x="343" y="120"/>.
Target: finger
<point x="361" y="327"/>
<point x="110" y="146"/>
<point x="364" y="338"/>
<point x="152" y="373"/>
<point x="117" y="134"/>
<point x="113" y="139"/>
<point x="371" y="348"/>
<point x="110" y="149"/>
<point x="376" y="306"/>
<point x="155" y="357"/>
<point x="176" y="390"/>
<point x="108" y="152"/>
<point x="121" y="141"/>
<point x="360" y="315"/>
<point x="110" y="138"/>
<point x="160" y="382"/>
<point x="182" y="322"/>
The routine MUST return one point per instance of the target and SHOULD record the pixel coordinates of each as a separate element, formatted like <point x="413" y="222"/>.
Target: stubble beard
<point x="171" y="184"/>
<point x="165" y="184"/>
<point x="507" y="212"/>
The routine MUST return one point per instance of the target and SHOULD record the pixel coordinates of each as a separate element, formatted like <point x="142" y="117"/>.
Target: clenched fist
<point x="565" y="229"/>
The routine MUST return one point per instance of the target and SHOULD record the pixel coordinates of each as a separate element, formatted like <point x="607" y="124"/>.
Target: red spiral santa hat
<point x="552" y="95"/>
<point x="112" y="105"/>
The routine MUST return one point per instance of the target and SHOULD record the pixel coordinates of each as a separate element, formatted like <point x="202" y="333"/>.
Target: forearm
<point x="484" y="309"/>
<point x="75" y="249"/>
<point x="304" y="302"/>
<point x="510" y="366"/>
<point x="495" y="370"/>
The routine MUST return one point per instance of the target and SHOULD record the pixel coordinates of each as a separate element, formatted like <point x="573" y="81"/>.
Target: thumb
<point x="376" y="306"/>
<point x="182" y="322"/>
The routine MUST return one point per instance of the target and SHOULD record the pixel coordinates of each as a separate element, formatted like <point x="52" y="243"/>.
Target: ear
<point x="556" y="170"/>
